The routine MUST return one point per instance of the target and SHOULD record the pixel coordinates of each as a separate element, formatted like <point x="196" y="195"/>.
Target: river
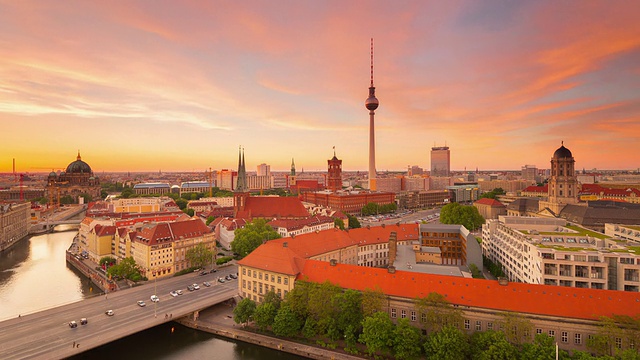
<point x="34" y="276"/>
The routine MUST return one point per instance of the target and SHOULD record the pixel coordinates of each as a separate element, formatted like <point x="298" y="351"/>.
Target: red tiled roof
<point x="517" y="297"/>
<point x="539" y="189"/>
<point x="274" y="256"/>
<point x="490" y="202"/>
<point x="275" y="207"/>
<point x="107" y="230"/>
<point x="293" y="224"/>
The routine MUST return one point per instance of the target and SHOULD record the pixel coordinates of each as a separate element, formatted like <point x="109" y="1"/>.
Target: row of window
<point x="259" y="275"/>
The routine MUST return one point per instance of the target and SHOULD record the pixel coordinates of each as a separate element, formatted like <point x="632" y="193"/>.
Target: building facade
<point x="15" y="219"/>
<point x="440" y="161"/>
<point x="78" y="179"/>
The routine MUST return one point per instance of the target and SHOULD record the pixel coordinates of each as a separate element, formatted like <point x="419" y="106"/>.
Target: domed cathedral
<point x="77" y="179"/>
<point x="563" y="183"/>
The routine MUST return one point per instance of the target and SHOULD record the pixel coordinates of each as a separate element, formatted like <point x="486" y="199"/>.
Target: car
<point x="109" y="312"/>
<point x="234" y="276"/>
<point x="220" y="280"/>
<point x="203" y="273"/>
<point x="179" y="292"/>
<point x="141" y="303"/>
<point x="213" y="270"/>
<point x="206" y="283"/>
<point x="154" y="298"/>
<point x="84" y="321"/>
<point x="196" y="287"/>
<point x="190" y="287"/>
<point x="173" y="293"/>
<point x="228" y="278"/>
<point x="73" y="324"/>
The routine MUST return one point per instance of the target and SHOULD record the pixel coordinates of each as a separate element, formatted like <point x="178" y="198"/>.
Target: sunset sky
<point x="180" y="85"/>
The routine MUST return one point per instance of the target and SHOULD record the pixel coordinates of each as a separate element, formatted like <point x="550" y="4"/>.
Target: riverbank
<point x="218" y="320"/>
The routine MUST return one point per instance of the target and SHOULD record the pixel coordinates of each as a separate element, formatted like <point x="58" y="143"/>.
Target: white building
<point x="545" y="251"/>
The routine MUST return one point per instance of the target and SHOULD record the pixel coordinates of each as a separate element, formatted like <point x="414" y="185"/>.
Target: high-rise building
<point x="440" y="161"/>
<point x="372" y="104"/>
<point x="530" y="172"/>
<point x="264" y="170"/>
<point x="335" y="173"/>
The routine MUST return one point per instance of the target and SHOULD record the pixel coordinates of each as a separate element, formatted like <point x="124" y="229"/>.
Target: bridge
<point x="47" y="335"/>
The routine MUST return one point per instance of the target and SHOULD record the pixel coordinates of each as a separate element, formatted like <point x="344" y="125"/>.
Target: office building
<point x="440" y="161"/>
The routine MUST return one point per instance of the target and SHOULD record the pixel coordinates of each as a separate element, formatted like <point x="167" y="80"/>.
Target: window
<point x="403" y="313"/>
<point x="255" y="273"/>
<point x="279" y="279"/>
<point x="467" y="324"/>
<point x="273" y="278"/>
<point x="538" y="331"/>
<point x="423" y="318"/>
<point x="393" y="313"/>
<point x="565" y="337"/>
<point x="489" y="325"/>
<point x="249" y="285"/>
<point x="577" y="339"/>
<point x="244" y="283"/>
<point x="552" y="333"/>
<point x="260" y="276"/>
<point x="478" y="325"/>
<point x="286" y="281"/>
<point x="618" y="343"/>
<point x="244" y="271"/>
<point x="413" y="316"/>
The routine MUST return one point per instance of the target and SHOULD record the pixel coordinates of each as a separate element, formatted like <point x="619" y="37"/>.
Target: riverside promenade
<point x="218" y="320"/>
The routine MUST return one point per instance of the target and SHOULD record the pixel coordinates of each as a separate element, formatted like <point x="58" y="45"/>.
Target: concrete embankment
<point x="218" y="320"/>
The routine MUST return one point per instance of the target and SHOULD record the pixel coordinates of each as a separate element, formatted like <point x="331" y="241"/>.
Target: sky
<point x="181" y="85"/>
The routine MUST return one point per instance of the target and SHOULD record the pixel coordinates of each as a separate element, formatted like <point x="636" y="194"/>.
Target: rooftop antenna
<point x="371" y="62"/>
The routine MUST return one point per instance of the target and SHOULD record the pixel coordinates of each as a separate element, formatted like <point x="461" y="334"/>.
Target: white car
<point x="179" y="292"/>
<point x="196" y="287"/>
<point x="109" y="312"/>
<point x="155" y="298"/>
<point x="173" y="293"/>
<point x="141" y="303"/>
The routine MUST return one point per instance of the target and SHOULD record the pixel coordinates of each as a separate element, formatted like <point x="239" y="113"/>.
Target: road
<point x="47" y="335"/>
<point x="407" y="219"/>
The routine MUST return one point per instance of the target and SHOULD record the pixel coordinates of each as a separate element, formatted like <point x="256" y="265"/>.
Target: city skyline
<point x="178" y="87"/>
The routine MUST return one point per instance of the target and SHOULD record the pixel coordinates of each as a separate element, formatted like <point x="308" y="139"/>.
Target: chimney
<point x="285" y="244"/>
<point x="503" y="281"/>
<point x="382" y="225"/>
<point x="333" y="262"/>
<point x="391" y="269"/>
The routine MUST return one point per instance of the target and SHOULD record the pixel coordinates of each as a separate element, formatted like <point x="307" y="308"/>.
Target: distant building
<point x="14" y="223"/>
<point x="264" y="170"/>
<point x="151" y="188"/>
<point x="530" y="173"/>
<point x="535" y="191"/>
<point x="462" y="193"/>
<point x="78" y="179"/>
<point x="195" y="187"/>
<point x="440" y="161"/>
<point x="226" y="179"/>
<point x="490" y="208"/>
<point x="334" y="182"/>
<point x="389" y="184"/>
<point x="563" y="184"/>
<point x="415" y="170"/>
<point x="348" y="202"/>
<point x="422" y="199"/>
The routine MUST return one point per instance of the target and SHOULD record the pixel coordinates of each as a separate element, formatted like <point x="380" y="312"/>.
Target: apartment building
<point x="546" y="251"/>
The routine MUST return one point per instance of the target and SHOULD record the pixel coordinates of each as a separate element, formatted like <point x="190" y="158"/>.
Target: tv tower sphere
<point x="371" y="103"/>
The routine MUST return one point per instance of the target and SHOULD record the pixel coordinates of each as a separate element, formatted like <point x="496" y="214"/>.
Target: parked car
<point x="84" y="321"/>
<point x="196" y="287"/>
<point x="202" y="273"/>
<point x="141" y="303"/>
<point x="173" y="293"/>
<point x="155" y="298"/>
<point x="220" y="280"/>
<point x="179" y="291"/>
<point x="190" y="287"/>
<point x="73" y="324"/>
<point x="109" y="312"/>
<point x="213" y="270"/>
<point x="206" y="283"/>
<point x="234" y="276"/>
<point x="228" y="278"/>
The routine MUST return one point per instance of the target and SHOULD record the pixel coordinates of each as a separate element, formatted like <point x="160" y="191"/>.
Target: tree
<point x="127" y="268"/>
<point x="624" y="327"/>
<point x="493" y="193"/>
<point x="298" y="298"/>
<point x="272" y="298"/>
<point x="210" y="219"/>
<point x="189" y="212"/>
<point x="467" y="216"/>
<point x="286" y="323"/>
<point x="517" y="328"/>
<point x="349" y="310"/>
<point x="264" y="315"/>
<point x="543" y="347"/>
<point x="67" y="199"/>
<point x="251" y="236"/>
<point x="373" y="300"/>
<point x="320" y="303"/>
<point x="377" y="333"/>
<point x="244" y="311"/>
<point x="353" y="222"/>
<point x="182" y="203"/>
<point x="199" y="255"/>
<point x="447" y="344"/>
<point x="438" y="312"/>
<point x="338" y="223"/>
<point x="107" y="260"/>
<point x="407" y="340"/>
<point x="491" y="345"/>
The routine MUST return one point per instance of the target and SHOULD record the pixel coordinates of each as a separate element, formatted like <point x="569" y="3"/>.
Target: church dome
<point x="562" y="152"/>
<point x="52" y="174"/>
<point x="78" y="167"/>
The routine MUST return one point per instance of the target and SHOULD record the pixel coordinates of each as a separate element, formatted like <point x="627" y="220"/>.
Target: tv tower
<point x="372" y="104"/>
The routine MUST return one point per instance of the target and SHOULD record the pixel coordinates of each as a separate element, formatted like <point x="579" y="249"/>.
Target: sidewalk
<point x="219" y="320"/>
